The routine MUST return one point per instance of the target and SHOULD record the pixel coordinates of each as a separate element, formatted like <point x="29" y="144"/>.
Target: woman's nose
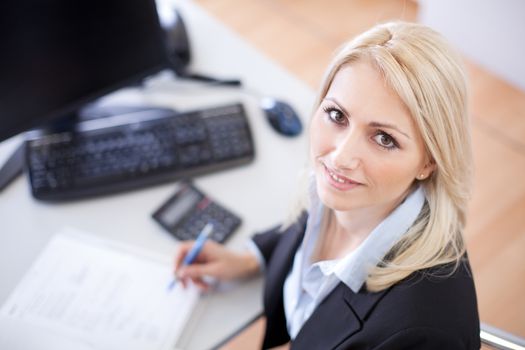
<point x="347" y="153"/>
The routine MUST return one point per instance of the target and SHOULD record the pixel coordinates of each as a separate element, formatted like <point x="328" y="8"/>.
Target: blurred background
<point x="302" y="35"/>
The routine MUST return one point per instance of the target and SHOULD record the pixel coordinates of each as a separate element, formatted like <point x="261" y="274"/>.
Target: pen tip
<point x="172" y="284"/>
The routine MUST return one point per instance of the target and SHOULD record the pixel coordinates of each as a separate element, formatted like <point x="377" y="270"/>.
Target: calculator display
<point x="186" y="213"/>
<point x="174" y="212"/>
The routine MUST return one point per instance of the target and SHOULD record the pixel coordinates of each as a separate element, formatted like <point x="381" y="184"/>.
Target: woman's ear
<point x="427" y="170"/>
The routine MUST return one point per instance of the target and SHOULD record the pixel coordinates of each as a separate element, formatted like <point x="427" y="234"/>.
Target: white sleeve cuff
<point x="252" y="247"/>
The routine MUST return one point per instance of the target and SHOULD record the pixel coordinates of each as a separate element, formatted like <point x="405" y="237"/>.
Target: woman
<point x="377" y="260"/>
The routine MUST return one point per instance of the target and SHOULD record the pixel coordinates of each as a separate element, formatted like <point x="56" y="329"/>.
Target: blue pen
<point x="195" y="250"/>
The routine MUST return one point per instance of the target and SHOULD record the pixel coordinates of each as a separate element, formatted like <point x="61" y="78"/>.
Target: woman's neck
<point x="343" y="231"/>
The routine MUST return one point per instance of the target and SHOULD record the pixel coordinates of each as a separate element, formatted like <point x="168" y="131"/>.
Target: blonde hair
<point x="424" y="71"/>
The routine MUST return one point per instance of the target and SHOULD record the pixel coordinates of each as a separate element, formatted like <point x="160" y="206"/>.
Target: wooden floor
<point x="301" y="35"/>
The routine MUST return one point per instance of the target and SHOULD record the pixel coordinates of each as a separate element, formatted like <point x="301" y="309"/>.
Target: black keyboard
<point x="73" y="164"/>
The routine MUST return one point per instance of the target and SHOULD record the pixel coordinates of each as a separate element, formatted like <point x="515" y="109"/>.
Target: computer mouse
<point x="282" y="117"/>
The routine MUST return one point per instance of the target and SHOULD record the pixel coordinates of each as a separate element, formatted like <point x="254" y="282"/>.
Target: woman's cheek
<point x="312" y="135"/>
<point x="318" y="135"/>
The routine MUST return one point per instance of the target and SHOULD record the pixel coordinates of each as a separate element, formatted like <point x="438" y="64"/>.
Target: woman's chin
<point x="333" y="201"/>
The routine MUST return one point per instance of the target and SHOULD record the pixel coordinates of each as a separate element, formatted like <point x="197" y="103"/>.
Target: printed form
<point x="84" y="292"/>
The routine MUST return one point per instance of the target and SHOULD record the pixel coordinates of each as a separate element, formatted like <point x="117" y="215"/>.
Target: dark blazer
<point x="423" y="311"/>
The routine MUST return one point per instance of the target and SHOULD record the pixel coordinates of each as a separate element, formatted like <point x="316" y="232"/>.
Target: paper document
<point x="84" y="292"/>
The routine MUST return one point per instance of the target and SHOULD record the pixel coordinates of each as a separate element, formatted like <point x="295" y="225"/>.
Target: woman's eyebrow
<point x="387" y="126"/>
<point x="334" y="100"/>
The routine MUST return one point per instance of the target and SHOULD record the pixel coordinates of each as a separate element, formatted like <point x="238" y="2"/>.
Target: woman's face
<point x="365" y="147"/>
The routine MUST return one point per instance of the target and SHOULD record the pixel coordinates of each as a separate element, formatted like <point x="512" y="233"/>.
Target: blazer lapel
<point x="340" y="315"/>
<point x="282" y="257"/>
<point x="276" y="272"/>
<point x="363" y="302"/>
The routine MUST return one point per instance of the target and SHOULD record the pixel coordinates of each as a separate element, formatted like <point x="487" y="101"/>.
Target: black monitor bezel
<point x="68" y="112"/>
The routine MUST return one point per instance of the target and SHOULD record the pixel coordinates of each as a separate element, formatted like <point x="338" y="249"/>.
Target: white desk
<point x="260" y="192"/>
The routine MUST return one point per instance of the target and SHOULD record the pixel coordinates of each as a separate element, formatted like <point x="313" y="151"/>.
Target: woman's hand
<point x="216" y="261"/>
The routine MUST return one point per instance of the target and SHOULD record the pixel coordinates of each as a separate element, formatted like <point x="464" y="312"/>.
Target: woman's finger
<point x="198" y="270"/>
<point x="183" y="249"/>
<point x="201" y="284"/>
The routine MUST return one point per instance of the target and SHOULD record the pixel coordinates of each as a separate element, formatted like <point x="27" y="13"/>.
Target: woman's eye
<point x="385" y="140"/>
<point x="335" y="115"/>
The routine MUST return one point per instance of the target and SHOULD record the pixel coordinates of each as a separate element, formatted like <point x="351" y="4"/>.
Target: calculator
<point x="186" y="213"/>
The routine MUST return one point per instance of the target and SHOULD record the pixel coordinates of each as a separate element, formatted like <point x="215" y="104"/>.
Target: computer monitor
<point x="58" y="55"/>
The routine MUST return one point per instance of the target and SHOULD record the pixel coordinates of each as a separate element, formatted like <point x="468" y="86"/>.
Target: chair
<point x="494" y="338"/>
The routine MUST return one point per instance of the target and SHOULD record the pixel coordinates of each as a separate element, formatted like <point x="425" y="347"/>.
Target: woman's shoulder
<point x="439" y="300"/>
<point x="442" y="298"/>
<point x="448" y="284"/>
<point x="446" y="278"/>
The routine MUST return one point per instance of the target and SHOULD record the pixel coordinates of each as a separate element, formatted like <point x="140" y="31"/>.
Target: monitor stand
<point x="94" y="111"/>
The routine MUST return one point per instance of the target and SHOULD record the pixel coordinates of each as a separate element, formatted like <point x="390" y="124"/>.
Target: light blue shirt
<point x="308" y="284"/>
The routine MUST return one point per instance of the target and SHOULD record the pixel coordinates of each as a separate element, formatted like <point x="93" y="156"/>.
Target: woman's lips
<point x="338" y="181"/>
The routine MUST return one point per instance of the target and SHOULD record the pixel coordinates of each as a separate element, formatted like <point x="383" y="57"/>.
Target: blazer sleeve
<point x="266" y="241"/>
<point x="423" y="338"/>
